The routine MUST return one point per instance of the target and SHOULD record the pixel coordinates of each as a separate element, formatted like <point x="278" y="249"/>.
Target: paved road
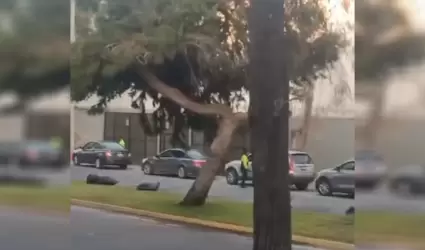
<point x="95" y="230"/>
<point x="59" y="177"/>
<point x="305" y="200"/>
<point x="26" y="230"/>
<point x="88" y="229"/>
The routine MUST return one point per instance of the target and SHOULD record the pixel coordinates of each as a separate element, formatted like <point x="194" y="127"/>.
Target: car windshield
<point x="366" y="155"/>
<point x="302" y="159"/>
<point x="39" y="146"/>
<point x="194" y="154"/>
<point x="112" y="145"/>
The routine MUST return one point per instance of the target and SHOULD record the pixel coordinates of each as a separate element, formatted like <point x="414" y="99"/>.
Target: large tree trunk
<point x="229" y="122"/>
<point x="374" y="119"/>
<point x="302" y="138"/>
<point x="269" y="120"/>
<point x="198" y="193"/>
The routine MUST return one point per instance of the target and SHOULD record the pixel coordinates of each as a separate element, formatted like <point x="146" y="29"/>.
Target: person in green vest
<point x="122" y="142"/>
<point x="56" y="142"/>
<point x="244" y="166"/>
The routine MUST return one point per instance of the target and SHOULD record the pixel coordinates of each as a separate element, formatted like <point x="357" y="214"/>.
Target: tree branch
<point x="181" y="99"/>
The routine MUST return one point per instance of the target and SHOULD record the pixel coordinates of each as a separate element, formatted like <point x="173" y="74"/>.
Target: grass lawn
<point x="316" y="225"/>
<point x="52" y="199"/>
<point x="387" y="227"/>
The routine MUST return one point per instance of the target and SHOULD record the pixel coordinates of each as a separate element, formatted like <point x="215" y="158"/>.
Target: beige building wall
<point x="12" y="128"/>
<point x="88" y="127"/>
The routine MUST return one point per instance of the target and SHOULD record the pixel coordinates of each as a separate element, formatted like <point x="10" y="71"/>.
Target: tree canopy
<point x="34" y="47"/>
<point x="385" y="40"/>
<point x="196" y="47"/>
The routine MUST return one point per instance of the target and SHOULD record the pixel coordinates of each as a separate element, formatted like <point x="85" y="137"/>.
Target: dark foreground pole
<point x="269" y="115"/>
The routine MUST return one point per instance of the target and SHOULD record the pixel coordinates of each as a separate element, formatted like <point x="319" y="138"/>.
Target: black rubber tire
<point x="235" y="178"/>
<point x="396" y="187"/>
<point x="323" y="181"/>
<point x="181" y="172"/>
<point x="123" y="167"/>
<point x="147" y="172"/>
<point x="302" y="186"/>
<point x="100" y="166"/>
<point x="75" y="163"/>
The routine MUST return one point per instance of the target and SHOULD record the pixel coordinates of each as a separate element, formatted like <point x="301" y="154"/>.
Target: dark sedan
<point x="100" y="154"/>
<point x="32" y="154"/>
<point x="175" y="162"/>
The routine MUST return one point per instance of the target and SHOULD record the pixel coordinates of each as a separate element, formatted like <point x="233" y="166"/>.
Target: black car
<point x="32" y="154"/>
<point x="175" y="162"/>
<point x="102" y="153"/>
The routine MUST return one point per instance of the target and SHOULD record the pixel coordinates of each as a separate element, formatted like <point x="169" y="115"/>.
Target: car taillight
<point x="108" y="153"/>
<point x="291" y="165"/>
<point x="31" y="154"/>
<point x="198" y="163"/>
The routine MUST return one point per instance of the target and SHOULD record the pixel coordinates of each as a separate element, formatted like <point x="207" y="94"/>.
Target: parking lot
<point x="305" y="200"/>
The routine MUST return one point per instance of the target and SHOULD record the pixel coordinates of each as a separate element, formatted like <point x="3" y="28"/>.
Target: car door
<point x="345" y="180"/>
<point x="161" y="160"/>
<point x="172" y="164"/>
<point x="96" y="151"/>
<point x="83" y="155"/>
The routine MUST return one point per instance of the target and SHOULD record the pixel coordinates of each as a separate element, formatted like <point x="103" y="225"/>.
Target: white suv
<point x="301" y="170"/>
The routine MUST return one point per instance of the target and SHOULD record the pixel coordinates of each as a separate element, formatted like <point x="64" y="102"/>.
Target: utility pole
<point x="72" y="106"/>
<point x="269" y="123"/>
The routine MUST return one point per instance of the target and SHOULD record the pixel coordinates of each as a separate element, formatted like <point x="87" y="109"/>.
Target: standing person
<point x="56" y="142"/>
<point x="122" y="142"/>
<point x="244" y="166"/>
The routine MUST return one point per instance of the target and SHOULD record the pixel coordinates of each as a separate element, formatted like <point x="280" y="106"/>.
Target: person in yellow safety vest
<point x="244" y="166"/>
<point x="56" y="142"/>
<point x="122" y="142"/>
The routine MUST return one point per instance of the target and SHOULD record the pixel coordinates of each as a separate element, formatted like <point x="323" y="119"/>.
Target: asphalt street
<point x="95" y="230"/>
<point x="89" y="229"/>
<point x="22" y="230"/>
<point x="303" y="200"/>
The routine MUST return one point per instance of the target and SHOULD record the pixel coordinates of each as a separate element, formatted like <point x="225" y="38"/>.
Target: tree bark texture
<point x="302" y="138"/>
<point x="374" y="119"/>
<point x="229" y="122"/>
<point x="198" y="193"/>
<point x="269" y="121"/>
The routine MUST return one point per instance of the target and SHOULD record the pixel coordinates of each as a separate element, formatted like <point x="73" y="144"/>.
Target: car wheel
<point x="323" y="187"/>
<point x="232" y="177"/>
<point x="147" y="169"/>
<point x="76" y="161"/>
<point x="98" y="164"/>
<point x="123" y="167"/>
<point x="401" y="187"/>
<point x="181" y="173"/>
<point x="301" y="186"/>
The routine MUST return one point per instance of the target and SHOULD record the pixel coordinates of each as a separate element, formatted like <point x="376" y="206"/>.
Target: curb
<point x="301" y="240"/>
